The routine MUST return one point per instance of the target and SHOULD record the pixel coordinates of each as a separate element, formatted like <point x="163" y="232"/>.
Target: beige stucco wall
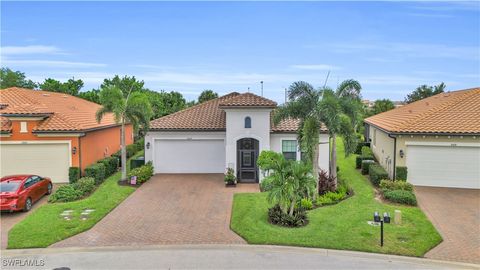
<point x="383" y="148"/>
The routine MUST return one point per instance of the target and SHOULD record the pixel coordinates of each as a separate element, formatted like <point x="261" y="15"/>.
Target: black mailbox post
<point x="386" y="219"/>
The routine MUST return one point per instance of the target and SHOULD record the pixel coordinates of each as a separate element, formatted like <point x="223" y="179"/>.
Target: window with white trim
<point x="289" y="149"/>
<point x="23" y="127"/>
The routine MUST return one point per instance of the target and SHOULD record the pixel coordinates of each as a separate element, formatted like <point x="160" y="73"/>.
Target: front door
<point x="247" y="154"/>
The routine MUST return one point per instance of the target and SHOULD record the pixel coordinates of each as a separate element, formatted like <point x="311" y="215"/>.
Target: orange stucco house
<point x="45" y="133"/>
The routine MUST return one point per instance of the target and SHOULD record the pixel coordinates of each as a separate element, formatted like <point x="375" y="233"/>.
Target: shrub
<point x="306" y="203"/>
<point x="367" y="152"/>
<point x="359" y="159"/>
<point x="401" y="173"/>
<point x="395" y="185"/>
<point x="377" y="173"/>
<point x="400" y="196"/>
<point x="265" y="186"/>
<point x="333" y="197"/>
<point x="326" y="182"/>
<point x="142" y="173"/>
<point x="111" y="165"/>
<point x="365" y="165"/>
<point x="229" y="177"/>
<point x="85" y="185"/>
<point x="66" y="193"/>
<point x="360" y="145"/>
<point x="140" y="144"/>
<point x="131" y="150"/>
<point x="278" y="217"/>
<point x="73" y="174"/>
<point x="97" y="172"/>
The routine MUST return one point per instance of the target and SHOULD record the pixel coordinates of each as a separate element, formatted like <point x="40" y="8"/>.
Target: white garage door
<point x="444" y="166"/>
<point x="189" y="156"/>
<point x="50" y="160"/>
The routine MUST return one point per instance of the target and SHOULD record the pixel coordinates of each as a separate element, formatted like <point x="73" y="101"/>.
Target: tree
<point x="382" y="105"/>
<point x="127" y="84"/>
<point x="207" y="95"/>
<point x="71" y="87"/>
<point x="289" y="181"/>
<point x="127" y="107"/>
<point x="424" y="91"/>
<point x="164" y="103"/>
<point x="92" y="95"/>
<point x="339" y="110"/>
<point x="10" y="78"/>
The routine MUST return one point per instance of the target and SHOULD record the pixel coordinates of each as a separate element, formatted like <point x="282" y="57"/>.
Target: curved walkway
<point x="168" y="209"/>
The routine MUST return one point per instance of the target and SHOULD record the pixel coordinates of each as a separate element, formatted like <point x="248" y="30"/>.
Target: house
<point x="226" y="132"/>
<point x="45" y="133"/>
<point x="436" y="138"/>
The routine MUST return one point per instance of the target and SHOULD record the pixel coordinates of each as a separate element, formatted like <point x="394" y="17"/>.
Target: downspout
<point x="394" y="155"/>
<point x="80" y="153"/>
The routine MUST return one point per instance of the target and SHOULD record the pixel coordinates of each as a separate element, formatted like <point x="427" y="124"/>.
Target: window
<point x="30" y="182"/>
<point x="248" y="122"/>
<point x="23" y="127"/>
<point x="289" y="149"/>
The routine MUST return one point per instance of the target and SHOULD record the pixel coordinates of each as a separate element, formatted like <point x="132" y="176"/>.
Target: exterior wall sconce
<point x="74" y="150"/>
<point x="401" y="153"/>
<point x="148" y="145"/>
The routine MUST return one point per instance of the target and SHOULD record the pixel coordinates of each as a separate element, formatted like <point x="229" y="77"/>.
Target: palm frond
<point x="349" y="88"/>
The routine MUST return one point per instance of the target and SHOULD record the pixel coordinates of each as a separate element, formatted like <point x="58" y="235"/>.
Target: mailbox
<point x="376" y="217"/>
<point x="386" y="217"/>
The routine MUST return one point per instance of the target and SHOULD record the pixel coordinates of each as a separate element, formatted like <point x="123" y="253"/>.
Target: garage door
<point x="444" y="166"/>
<point x="189" y="156"/>
<point x="49" y="160"/>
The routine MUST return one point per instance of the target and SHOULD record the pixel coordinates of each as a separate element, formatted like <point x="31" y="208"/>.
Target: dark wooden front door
<point x="247" y="154"/>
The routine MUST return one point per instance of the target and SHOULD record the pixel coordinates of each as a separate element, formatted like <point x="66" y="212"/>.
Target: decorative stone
<point x="398" y="217"/>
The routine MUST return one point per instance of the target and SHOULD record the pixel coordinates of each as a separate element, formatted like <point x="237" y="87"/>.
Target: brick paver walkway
<point x="456" y="215"/>
<point x="168" y="209"/>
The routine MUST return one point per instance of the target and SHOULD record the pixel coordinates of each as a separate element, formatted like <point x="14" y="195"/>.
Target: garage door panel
<point x="444" y="166"/>
<point x="49" y="160"/>
<point x="189" y="156"/>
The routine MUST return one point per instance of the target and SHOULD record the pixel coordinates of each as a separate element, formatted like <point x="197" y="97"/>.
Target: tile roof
<point x="63" y="112"/>
<point x="5" y="124"/>
<point x="210" y="115"/>
<point x="248" y="100"/>
<point x="291" y="125"/>
<point x="456" y="112"/>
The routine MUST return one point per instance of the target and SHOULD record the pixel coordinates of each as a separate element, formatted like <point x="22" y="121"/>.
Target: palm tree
<point x="134" y="108"/>
<point x="339" y="111"/>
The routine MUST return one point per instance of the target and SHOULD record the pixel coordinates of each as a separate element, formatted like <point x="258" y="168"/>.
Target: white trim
<point x="46" y="135"/>
<point x="45" y="142"/>
<point x="23" y="127"/>
<point x="19" y="118"/>
<point x="445" y="144"/>
<point x="5" y="135"/>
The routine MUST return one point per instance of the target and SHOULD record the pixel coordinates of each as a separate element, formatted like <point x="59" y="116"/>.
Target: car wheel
<point x="49" y="188"/>
<point x="28" y="205"/>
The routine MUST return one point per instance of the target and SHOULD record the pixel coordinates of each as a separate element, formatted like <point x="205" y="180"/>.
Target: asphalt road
<point x="212" y="257"/>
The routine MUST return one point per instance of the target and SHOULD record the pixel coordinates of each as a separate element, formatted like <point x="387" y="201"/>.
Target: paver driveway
<point x="168" y="209"/>
<point x="456" y="215"/>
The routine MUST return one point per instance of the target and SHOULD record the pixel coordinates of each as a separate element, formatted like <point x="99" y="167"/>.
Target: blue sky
<point x="390" y="47"/>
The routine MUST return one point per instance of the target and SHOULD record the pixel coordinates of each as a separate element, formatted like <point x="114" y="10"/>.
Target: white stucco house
<point x="437" y="139"/>
<point x="226" y="132"/>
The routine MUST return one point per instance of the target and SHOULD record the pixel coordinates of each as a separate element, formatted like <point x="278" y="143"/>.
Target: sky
<point x="389" y="47"/>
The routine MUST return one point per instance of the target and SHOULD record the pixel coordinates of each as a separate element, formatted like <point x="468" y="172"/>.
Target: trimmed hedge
<point x="97" y="172"/>
<point x="142" y="173"/>
<point x="400" y="196"/>
<point x="359" y="159"/>
<point x="401" y="173"/>
<point x="73" y="174"/>
<point x="367" y="152"/>
<point x="395" y="185"/>
<point x="111" y="165"/>
<point x="85" y="185"/>
<point x="365" y="165"/>
<point x="377" y="173"/>
<point x="360" y="145"/>
<point x="65" y="193"/>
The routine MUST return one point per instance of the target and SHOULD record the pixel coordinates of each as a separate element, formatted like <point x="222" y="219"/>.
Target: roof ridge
<point x="446" y="104"/>
<point x="227" y="96"/>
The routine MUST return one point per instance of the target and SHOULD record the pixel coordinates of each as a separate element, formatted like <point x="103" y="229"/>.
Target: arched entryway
<point x="247" y="154"/>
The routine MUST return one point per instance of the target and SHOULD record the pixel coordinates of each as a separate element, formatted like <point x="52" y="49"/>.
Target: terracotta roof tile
<point x="5" y="124"/>
<point x="456" y="112"/>
<point x="291" y="125"/>
<point x="63" y="112"/>
<point x="248" y="100"/>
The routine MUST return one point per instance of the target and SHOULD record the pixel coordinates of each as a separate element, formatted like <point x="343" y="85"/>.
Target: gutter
<point x="394" y="155"/>
<point x="423" y="133"/>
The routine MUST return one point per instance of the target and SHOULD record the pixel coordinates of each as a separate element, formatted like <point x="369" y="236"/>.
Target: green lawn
<point x="340" y="226"/>
<point x="45" y="226"/>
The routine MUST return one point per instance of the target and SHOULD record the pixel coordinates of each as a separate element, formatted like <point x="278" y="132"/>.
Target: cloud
<point x="32" y="49"/>
<point x="50" y="63"/>
<point x="315" y="67"/>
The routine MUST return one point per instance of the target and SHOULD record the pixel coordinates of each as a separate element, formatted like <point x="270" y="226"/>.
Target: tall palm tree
<point x="134" y="108"/>
<point x="339" y="111"/>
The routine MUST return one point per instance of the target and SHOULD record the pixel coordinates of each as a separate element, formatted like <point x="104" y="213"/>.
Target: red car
<point x="19" y="192"/>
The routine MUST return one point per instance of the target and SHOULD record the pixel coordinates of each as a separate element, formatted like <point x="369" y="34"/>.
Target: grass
<point x="45" y="226"/>
<point x="341" y="226"/>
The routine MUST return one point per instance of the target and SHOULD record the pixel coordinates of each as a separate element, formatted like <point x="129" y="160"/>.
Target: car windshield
<point x="9" y="186"/>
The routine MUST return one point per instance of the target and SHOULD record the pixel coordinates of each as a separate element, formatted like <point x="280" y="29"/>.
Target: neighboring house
<point x="45" y="133"/>
<point x="437" y="139"/>
<point x="226" y="132"/>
